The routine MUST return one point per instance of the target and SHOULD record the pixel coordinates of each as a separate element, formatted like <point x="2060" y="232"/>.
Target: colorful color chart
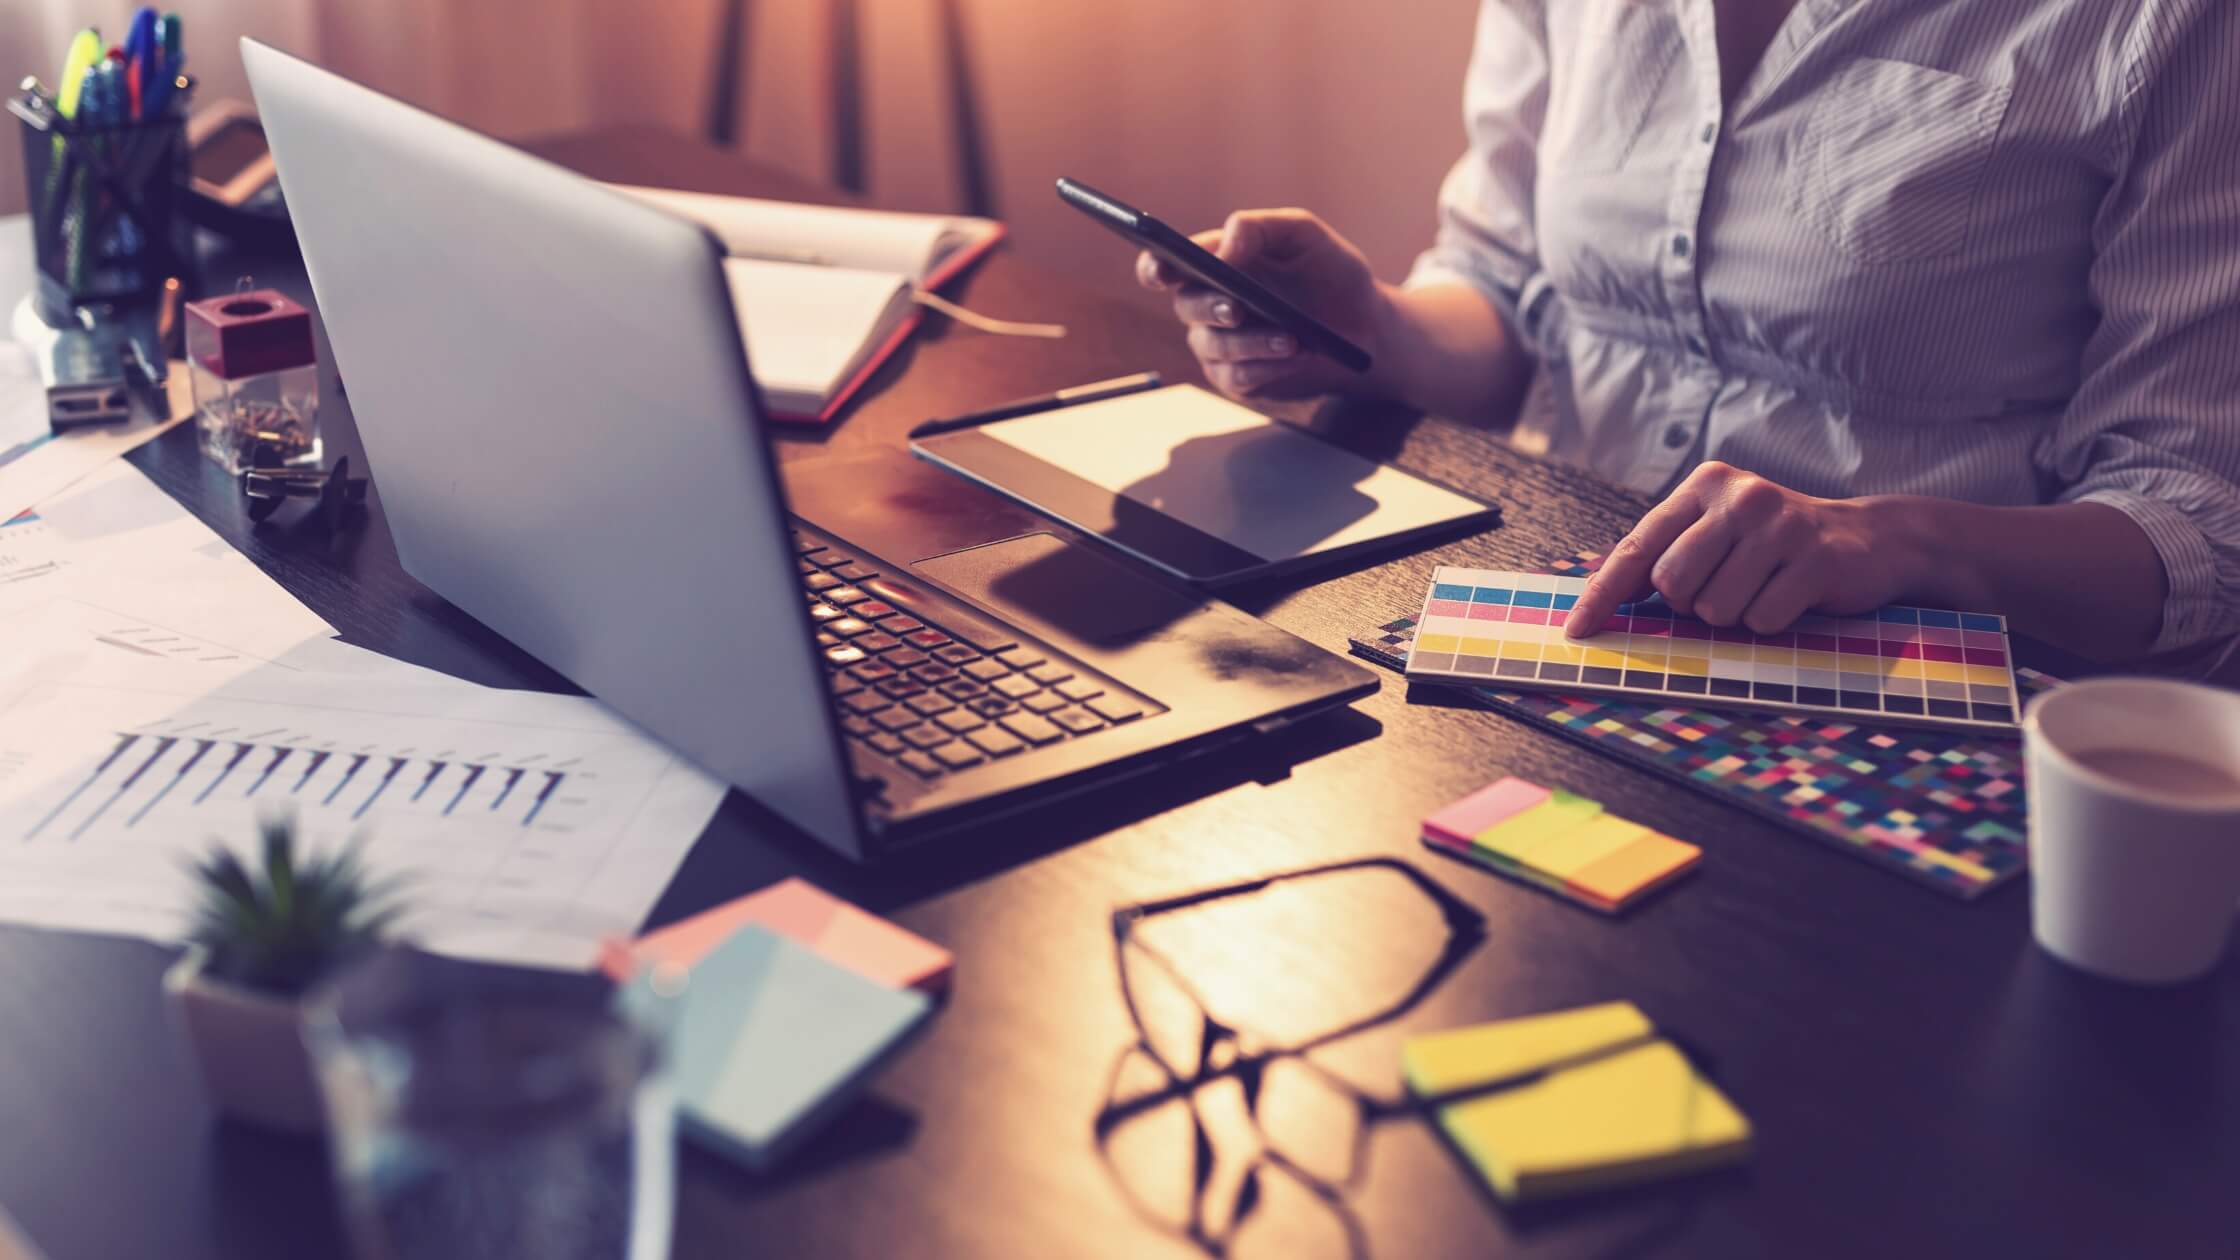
<point x="1942" y="807"/>
<point x="1559" y="841"/>
<point x="1901" y="664"/>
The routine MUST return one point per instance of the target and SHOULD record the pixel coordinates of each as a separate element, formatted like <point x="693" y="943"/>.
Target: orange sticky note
<point x="1619" y="878"/>
<point x="862" y="942"/>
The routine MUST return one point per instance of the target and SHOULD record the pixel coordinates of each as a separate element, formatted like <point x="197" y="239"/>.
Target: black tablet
<point x="1186" y="256"/>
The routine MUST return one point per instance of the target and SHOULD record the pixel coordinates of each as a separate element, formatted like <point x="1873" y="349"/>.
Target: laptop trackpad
<point x="1041" y="578"/>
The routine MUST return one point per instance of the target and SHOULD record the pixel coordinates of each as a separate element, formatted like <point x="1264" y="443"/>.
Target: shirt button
<point x="1710" y="132"/>
<point x="1675" y="436"/>
<point x="1680" y="246"/>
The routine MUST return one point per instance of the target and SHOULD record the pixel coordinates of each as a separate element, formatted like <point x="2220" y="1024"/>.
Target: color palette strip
<point x="1559" y="841"/>
<point x="1903" y="664"/>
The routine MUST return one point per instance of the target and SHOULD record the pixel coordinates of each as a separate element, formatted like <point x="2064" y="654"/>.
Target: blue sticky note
<point x="1980" y="621"/>
<point x="1493" y="595"/>
<point x="771" y="1040"/>
<point x="1448" y="590"/>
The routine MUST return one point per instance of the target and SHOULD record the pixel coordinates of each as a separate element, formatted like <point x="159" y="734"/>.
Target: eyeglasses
<point x="1367" y="941"/>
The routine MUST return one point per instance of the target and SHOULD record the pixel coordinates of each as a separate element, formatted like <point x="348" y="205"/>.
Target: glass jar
<point x="256" y="378"/>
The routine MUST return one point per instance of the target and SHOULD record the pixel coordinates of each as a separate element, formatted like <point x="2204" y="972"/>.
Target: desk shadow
<point x="1248" y="485"/>
<point x="868" y="1128"/>
<point x="716" y="872"/>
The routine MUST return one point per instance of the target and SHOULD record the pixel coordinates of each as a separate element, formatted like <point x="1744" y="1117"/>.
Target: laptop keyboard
<point x="934" y="699"/>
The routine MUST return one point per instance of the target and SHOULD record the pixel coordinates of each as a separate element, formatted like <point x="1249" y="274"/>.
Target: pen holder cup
<point x="105" y="225"/>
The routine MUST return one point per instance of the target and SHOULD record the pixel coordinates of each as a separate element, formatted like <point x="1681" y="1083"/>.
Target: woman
<point x="1888" y="300"/>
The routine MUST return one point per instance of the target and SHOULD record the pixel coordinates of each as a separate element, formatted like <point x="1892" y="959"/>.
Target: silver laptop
<point x="567" y="440"/>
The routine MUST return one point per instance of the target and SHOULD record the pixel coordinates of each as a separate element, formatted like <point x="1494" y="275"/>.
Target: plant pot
<point x="249" y="1047"/>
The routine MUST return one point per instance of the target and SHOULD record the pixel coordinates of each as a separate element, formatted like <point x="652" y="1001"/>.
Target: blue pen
<point x="171" y="62"/>
<point x="141" y="60"/>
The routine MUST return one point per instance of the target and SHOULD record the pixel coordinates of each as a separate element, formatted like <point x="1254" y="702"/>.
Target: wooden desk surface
<point x="1922" y="1080"/>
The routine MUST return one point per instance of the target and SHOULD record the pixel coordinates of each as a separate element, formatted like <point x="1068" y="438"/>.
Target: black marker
<point x="1096" y="391"/>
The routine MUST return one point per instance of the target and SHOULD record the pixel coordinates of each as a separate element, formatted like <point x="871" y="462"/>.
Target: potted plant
<point x="262" y="936"/>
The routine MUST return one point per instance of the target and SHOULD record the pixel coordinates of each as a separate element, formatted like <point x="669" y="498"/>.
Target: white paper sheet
<point x="34" y="465"/>
<point x="117" y="542"/>
<point x="531" y="826"/>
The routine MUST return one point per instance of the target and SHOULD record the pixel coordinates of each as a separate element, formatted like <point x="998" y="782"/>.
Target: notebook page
<point x="807" y="328"/>
<point x="870" y="240"/>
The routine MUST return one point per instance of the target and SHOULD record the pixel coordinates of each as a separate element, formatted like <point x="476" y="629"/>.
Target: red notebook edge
<point x="958" y="264"/>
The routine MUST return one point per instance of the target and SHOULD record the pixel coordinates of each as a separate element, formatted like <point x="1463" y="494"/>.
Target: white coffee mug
<point x="2135" y="871"/>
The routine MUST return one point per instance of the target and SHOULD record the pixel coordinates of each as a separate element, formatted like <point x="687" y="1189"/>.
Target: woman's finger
<point x="1212" y="345"/>
<point x="1739" y="579"/>
<point x="1240" y="380"/>
<point x="1792" y="592"/>
<point x="1687" y="565"/>
<point x="1625" y="574"/>
<point x="1197" y="304"/>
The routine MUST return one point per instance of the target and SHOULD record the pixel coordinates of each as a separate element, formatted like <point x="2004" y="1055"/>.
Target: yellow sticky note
<point x="1640" y="1114"/>
<point x="1521" y="834"/>
<point x="1464" y="1058"/>
<point x="1632" y="870"/>
<point x="1564" y="856"/>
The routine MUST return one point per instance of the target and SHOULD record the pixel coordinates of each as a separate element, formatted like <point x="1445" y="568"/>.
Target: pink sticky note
<point x="860" y="941"/>
<point x="1459" y="823"/>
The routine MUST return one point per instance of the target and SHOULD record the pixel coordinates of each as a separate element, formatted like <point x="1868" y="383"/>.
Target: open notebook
<point x="824" y="292"/>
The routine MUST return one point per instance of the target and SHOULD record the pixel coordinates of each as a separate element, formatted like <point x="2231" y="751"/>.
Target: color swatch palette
<point x="1564" y="843"/>
<point x="1901" y="664"/>
<point x="1613" y="1104"/>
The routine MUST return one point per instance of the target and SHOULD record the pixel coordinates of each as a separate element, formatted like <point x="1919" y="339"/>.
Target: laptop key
<point x="873" y="610"/>
<point x="962" y="689"/>
<point x="856" y="571"/>
<point x="866" y="702"/>
<point x="926" y="638"/>
<point x="990" y="706"/>
<point x="1021" y="658"/>
<point x="1079" y="721"/>
<point x="1014" y="686"/>
<point x="821" y="581"/>
<point x="961" y="720"/>
<point x="900" y="688"/>
<point x="897" y="718"/>
<point x="848" y="627"/>
<point x="825" y="640"/>
<point x="890" y="621"/>
<point x="876" y="642"/>
<point x="919" y="764"/>
<point x="903" y="657"/>
<point x="1052" y="673"/>
<point x="926" y="736"/>
<point x="844" y="596"/>
<point x="956" y="654"/>
<point x="995" y="741"/>
<point x="872" y="671"/>
<point x="882" y="741"/>
<point x="933" y="673"/>
<point x="843" y="685"/>
<point x="845" y="655"/>
<point x="1115" y="708"/>
<point x="1044" y="702"/>
<point x="1079" y="689"/>
<point x="1032" y="729"/>
<point x="856" y="724"/>
<point x="986" y="670"/>
<point x="931" y="703"/>
<point x="957" y="756"/>
<point x="825" y="612"/>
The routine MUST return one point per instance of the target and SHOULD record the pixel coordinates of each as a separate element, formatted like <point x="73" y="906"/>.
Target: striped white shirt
<point x="1986" y="251"/>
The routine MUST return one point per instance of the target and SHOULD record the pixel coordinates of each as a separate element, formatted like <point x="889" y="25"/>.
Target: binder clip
<point x="268" y="482"/>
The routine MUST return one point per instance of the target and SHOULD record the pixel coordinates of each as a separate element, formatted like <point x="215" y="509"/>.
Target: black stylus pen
<point x="1095" y="391"/>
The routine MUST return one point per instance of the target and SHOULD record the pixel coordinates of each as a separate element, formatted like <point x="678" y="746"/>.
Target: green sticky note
<point x="1515" y="840"/>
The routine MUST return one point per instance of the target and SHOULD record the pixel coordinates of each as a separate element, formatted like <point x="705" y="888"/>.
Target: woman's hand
<point x="1302" y="258"/>
<point x="1732" y="548"/>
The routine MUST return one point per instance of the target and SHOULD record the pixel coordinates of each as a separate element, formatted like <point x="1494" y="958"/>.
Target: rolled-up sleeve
<point x="1486" y="238"/>
<point x="2154" y="431"/>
